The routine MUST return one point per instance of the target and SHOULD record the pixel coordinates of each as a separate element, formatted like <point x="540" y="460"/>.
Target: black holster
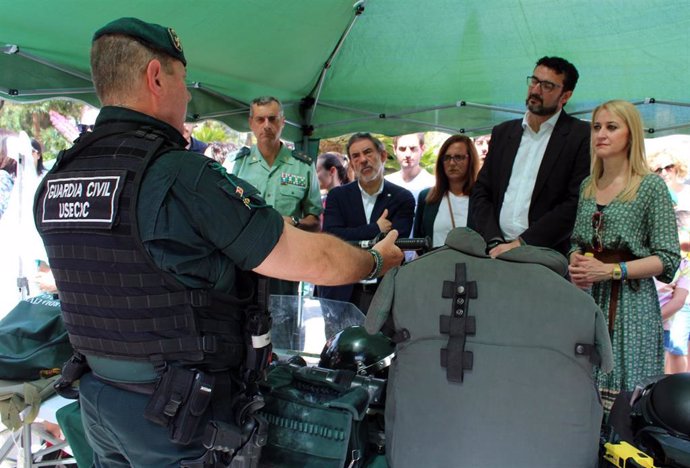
<point x="72" y="370"/>
<point x="230" y="446"/>
<point x="180" y="401"/>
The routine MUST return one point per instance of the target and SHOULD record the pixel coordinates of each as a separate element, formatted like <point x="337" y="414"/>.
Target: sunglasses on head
<point x="667" y="168"/>
<point x="597" y="225"/>
<point x="83" y="128"/>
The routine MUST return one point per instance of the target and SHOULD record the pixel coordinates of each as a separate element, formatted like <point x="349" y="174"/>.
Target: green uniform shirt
<point x="198" y="222"/>
<point x="290" y="185"/>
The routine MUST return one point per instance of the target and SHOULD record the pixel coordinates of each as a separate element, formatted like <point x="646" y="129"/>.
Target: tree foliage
<point x="35" y="121"/>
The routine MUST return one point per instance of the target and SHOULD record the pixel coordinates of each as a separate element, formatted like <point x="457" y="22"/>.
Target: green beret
<point x="152" y="35"/>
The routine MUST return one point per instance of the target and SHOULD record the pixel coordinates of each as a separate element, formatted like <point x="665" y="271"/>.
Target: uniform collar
<point x="114" y="114"/>
<point x="284" y="155"/>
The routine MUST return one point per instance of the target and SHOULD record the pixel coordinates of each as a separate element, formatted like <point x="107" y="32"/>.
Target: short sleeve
<point x="241" y="224"/>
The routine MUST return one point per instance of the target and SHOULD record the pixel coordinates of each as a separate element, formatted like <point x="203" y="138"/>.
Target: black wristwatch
<point x="295" y="221"/>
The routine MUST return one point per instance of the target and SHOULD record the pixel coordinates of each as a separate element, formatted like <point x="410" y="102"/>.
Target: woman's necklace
<point x="450" y="210"/>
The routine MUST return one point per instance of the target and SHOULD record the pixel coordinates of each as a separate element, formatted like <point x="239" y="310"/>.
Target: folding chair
<point x="23" y="441"/>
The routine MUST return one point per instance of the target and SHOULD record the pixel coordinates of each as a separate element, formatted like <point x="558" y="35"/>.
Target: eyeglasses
<point x="597" y="225"/>
<point x="456" y="158"/>
<point x="547" y="86"/>
<point x="83" y="128"/>
<point x="668" y="168"/>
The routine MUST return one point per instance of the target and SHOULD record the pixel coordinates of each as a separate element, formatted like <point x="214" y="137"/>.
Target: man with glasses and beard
<point x="527" y="190"/>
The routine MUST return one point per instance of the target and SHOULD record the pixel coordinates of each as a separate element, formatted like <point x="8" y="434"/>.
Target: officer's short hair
<point x="122" y="49"/>
<point x="380" y="147"/>
<point x="118" y="61"/>
<point x="264" y="101"/>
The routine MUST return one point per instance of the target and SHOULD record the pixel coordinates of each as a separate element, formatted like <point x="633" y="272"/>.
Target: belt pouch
<point x="171" y="392"/>
<point x="190" y="414"/>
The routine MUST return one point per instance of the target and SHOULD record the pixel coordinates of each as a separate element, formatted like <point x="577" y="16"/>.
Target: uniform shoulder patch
<point x="302" y="156"/>
<point x="242" y="153"/>
<point x="238" y="188"/>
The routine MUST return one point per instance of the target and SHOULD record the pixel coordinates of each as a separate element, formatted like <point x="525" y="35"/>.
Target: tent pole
<point x="221" y="96"/>
<point x="425" y="109"/>
<point x="312" y="99"/>
<point x="13" y="49"/>
<point x="670" y="103"/>
<point x="426" y="124"/>
<point x="13" y="93"/>
<point x="663" y="129"/>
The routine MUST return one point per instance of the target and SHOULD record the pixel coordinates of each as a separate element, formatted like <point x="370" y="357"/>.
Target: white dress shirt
<point x="369" y="200"/>
<point x="516" y="202"/>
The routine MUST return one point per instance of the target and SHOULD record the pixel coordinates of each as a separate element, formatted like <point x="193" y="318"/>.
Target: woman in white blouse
<point x="444" y="206"/>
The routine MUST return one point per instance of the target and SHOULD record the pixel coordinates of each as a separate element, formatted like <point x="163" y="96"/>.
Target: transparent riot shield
<point x="301" y="325"/>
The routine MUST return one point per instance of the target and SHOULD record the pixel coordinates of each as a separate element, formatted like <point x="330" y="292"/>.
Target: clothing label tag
<point x="82" y="201"/>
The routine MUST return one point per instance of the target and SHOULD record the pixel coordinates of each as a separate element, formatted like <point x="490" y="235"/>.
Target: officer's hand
<point x="392" y="255"/>
<point x="384" y="224"/>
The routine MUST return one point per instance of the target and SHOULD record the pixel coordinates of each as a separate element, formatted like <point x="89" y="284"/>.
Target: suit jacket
<point x="425" y="215"/>
<point x="553" y="205"/>
<point x="345" y="218"/>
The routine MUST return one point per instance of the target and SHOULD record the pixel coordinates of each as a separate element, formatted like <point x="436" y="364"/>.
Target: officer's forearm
<point x="316" y="258"/>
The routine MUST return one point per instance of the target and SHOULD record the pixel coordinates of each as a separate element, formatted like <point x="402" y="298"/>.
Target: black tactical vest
<point x="115" y="301"/>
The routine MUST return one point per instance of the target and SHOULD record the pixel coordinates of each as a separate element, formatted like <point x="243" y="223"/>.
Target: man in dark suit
<point x="527" y="190"/>
<point x="363" y="209"/>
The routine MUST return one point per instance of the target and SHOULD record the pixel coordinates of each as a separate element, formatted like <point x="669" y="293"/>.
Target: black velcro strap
<point x="136" y="387"/>
<point x="582" y="349"/>
<point x="219" y="327"/>
<point x="102" y="278"/>
<point x="99" y="254"/>
<point x="458" y="325"/>
<point x="144" y="349"/>
<point x="262" y="293"/>
<point x="134" y="325"/>
<point x="152" y="301"/>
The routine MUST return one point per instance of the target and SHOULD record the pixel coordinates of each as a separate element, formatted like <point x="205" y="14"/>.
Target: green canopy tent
<point x="388" y="66"/>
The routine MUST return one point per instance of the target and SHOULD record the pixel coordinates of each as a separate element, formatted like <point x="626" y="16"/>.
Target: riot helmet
<point x="354" y="349"/>
<point x="665" y="404"/>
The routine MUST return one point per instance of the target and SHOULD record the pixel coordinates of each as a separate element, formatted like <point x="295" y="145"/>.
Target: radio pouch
<point x="313" y="420"/>
<point x="179" y="402"/>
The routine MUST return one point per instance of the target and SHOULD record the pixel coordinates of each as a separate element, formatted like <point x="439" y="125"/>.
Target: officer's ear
<point x="153" y="76"/>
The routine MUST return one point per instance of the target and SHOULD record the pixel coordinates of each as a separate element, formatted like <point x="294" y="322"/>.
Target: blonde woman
<point x="625" y="234"/>
<point x="673" y="170"/>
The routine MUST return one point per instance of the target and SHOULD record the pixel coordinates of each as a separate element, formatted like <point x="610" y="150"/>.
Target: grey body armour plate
<point x="522" y="392"/>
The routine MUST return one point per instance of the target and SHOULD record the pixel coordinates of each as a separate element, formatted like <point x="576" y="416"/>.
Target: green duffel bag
<point x="33" y="339"/>
<point x="313" y="423"/>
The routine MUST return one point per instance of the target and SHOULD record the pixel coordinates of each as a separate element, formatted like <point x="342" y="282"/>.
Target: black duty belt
<point x="136" y="387"/>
